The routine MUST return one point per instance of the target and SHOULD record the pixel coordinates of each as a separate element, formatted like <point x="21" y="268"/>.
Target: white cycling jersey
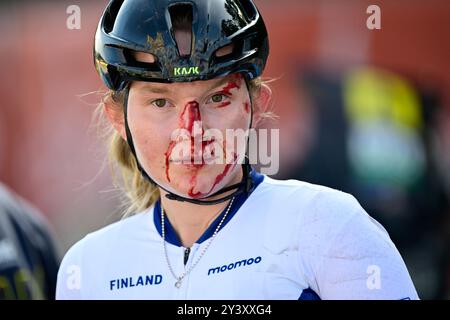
<point x="286" y="240"/>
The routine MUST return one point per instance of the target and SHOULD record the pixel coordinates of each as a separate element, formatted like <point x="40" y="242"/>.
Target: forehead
<point x="201" y="85"/>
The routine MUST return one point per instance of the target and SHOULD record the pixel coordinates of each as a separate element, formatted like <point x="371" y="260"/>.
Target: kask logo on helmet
<point x="185" y="71"/>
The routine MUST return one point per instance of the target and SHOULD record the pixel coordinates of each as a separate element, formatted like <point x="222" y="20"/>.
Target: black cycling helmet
<point x="131" y="26"/>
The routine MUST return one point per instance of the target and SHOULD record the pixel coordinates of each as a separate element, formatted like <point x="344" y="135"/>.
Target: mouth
<point x="198" y="160"/>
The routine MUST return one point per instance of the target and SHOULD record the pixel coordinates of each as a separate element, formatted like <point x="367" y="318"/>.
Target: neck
<point x="191" y="220"/>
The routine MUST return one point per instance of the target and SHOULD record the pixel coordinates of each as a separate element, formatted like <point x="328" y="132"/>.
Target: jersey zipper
<point x="186" y="255"/>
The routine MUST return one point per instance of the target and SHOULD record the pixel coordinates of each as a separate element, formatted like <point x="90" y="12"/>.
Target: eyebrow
<point x="155" y="89"/>
<point x="219" y="83"/>
<point x="162" y="90"/>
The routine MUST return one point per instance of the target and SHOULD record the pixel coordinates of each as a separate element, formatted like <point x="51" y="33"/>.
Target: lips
<point x="195" y="161"/>
<point x="200" y="159"/>
<point x="203" y="160"/>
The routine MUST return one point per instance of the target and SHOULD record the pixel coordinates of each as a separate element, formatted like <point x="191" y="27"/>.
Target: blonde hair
<point x="137" y="193"/>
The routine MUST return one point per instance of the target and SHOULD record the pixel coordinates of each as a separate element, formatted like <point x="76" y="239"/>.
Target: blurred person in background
<point x="29" y="259"/>
<point x="375" y="137"/>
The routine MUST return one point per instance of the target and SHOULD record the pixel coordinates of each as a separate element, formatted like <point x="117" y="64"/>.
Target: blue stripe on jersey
<point x="309" y="294"/>
<point x="172" y="237"/>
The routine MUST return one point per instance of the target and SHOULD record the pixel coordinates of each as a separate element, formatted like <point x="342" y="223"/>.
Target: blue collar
<point x="172" y="237"/>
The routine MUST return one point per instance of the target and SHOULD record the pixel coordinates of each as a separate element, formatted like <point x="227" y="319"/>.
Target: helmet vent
<point x="224" y="51"/>
<point x="143" y="57"/>
<point x="111" y="15"/>
<point x="181" y="17"/>
<point x="249" y="8"/>
<point x="143" y="60"/>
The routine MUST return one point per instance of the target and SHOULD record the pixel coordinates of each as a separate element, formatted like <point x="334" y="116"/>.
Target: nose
<point x="189" y="115"/>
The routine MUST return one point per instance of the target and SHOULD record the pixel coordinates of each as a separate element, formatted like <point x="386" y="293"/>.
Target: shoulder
<point x="310" y="204"/>
<point x="319" y="210"/>
<point x="324" y="213"/>
<point x="319" y="220"/>
<point x="92" y="252"/>
<point x="341" y="249"/>
<point x="307" y="192"/>
<point x="108" y="235"/>
<point x="307" y="214"/>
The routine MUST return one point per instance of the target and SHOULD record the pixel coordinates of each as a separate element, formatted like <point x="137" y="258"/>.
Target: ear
<point x="114" y="113"/>
<point x="261" y="102"/>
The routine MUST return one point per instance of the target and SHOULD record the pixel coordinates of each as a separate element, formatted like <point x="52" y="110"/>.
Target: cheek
<point x="229" y="121"/>
<point x="234" y="131"/>
<point x="241" y="117"/>
<point x="233" y="122"/>
<point x="147" y="145"/>
<point x="150" y="137"/>
<point x="233" y="116"/>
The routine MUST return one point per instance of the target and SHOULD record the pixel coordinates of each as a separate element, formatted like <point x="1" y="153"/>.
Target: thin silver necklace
<point x="180" y="278"/>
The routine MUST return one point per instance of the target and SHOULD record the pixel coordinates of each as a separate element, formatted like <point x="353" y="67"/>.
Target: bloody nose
<point x="190" y="114"/>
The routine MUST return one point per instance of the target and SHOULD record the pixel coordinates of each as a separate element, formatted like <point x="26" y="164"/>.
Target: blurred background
<point x="364" y="111"/>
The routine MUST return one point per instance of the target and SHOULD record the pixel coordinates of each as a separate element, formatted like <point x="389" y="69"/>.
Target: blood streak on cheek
<point x="247" y="107"/>
<point x="168" y="154"/>
<point x="217" y="180"/>
<point x="220" y="177"/>
<point x="224" y="104"/>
